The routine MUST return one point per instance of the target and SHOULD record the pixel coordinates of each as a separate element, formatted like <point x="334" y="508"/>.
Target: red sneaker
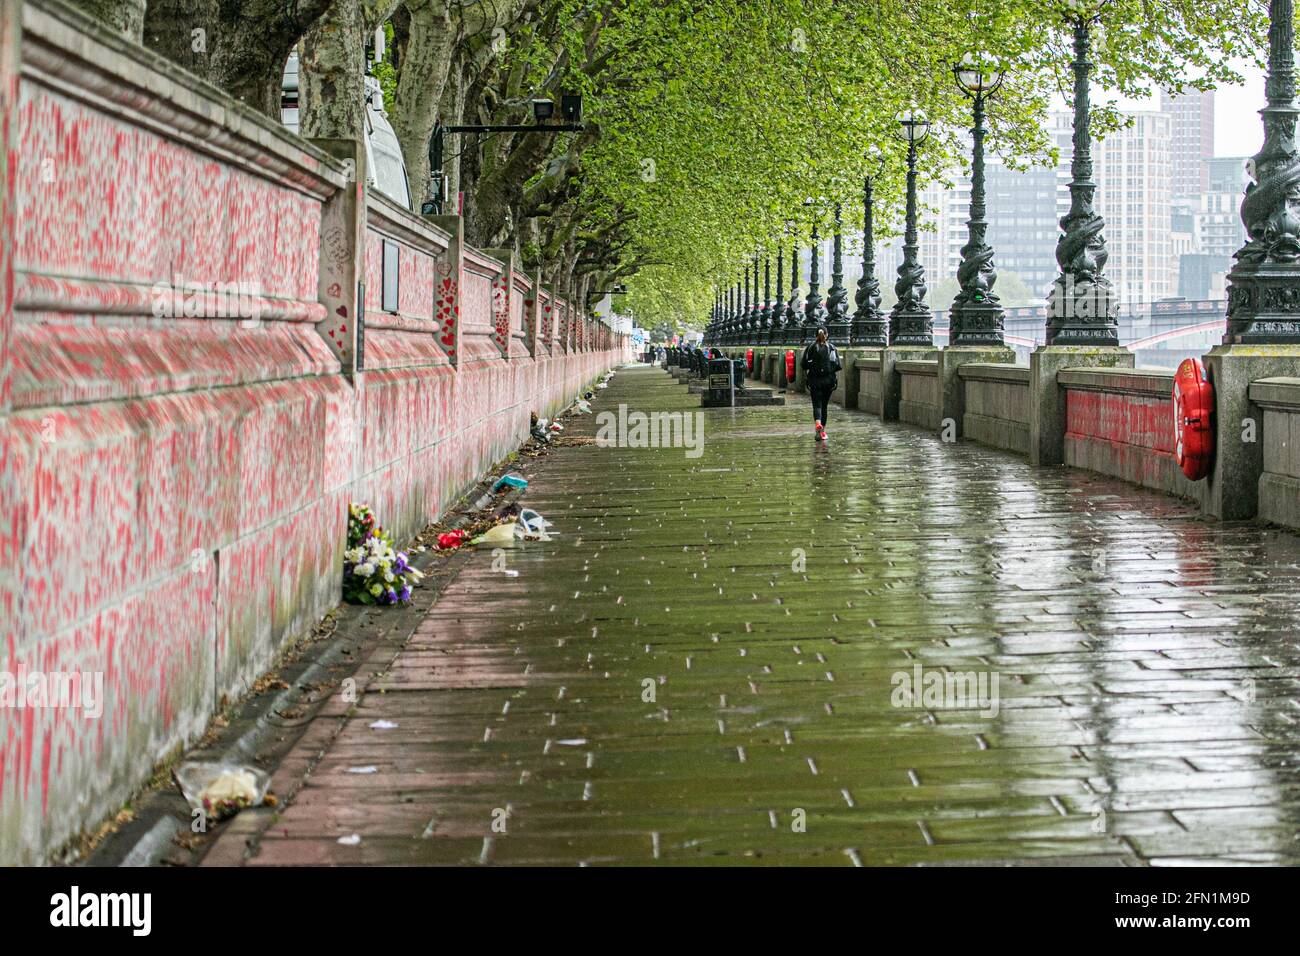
<point x="824" y="435"/>
<point x="818" y="430"/>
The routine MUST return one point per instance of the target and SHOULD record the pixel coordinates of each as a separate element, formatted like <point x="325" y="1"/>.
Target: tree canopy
<point x="710" y="124"/>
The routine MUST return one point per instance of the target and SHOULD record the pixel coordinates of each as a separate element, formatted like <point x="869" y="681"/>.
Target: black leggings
<point x="821" y="402"/>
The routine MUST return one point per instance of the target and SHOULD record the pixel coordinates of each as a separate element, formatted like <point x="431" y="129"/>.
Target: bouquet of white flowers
<point x="373" y="571"/>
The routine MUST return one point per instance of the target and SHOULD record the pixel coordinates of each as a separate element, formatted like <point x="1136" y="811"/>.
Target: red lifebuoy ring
<point x="749" y="361"/>
<point x="1193" y="402"/>
<point x="789" y="365"/>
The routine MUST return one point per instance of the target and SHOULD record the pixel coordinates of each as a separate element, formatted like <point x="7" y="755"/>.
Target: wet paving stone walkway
<point x="710" y="662"/>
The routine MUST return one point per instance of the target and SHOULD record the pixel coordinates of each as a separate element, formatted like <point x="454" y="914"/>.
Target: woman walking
<point x="821" y="363"/>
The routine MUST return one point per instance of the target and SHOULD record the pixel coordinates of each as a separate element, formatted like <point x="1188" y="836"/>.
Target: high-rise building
<point x="1192" y="133"/>
<point x="1134" y="176"/>
<point x="1202" y="276"/>
<point x="944" y="211"/>
<point x="1024" y="225"/>
<point x="1219" y="229"/>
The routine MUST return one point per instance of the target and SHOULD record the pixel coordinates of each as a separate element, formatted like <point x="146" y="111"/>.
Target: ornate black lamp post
<point x="738" y="318"/>
<point x="742" y="330"/>
<point x="869" y="328"/>
<point x="750" y="306"/>
<point x="814" y="312"/>
<point x="976" y="317"/>
<point x="793" y="313"/>
<point x="1264" y="284"/>
<point x="765" y="311"/>
<point x="734" y="324"/>
<point x="720" y="313"/>
<point x="740" y="312"/>
<point x="776" y="320"/>
<point x="1082" y="307"/>
<point x="741" y="305"/>
<point x="737" y="311"/>
<point x="716" y="331"/>
<point x="725" y="331"/>
<point x="729" y="322"/>
<point x="910" y="322"/>
<point x="837" y="301"/>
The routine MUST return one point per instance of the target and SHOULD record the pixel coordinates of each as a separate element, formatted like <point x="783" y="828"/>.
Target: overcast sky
<point x="1238" y="130"/>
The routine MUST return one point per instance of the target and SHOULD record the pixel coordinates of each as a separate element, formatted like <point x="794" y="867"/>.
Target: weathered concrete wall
<point x="869" y="388"/>
<point x="1279" y="485"/>
<point x="997" y="405"/>
<point x="919" y="403"/>
<point x="1119" y="421"/>
<point x="847" y="381"/>
<point x="176" y="482"/>
<point x="11" y="493"/>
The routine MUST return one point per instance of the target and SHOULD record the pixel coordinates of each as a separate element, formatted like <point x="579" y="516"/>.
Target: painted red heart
<point x="342" y="310"/>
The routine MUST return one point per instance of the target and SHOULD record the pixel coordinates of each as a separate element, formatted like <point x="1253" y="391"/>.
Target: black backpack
<point x="824" y="365"/>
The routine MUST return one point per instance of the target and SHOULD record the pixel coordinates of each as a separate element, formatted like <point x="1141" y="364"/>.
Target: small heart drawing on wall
<point x="342" y="310"/>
